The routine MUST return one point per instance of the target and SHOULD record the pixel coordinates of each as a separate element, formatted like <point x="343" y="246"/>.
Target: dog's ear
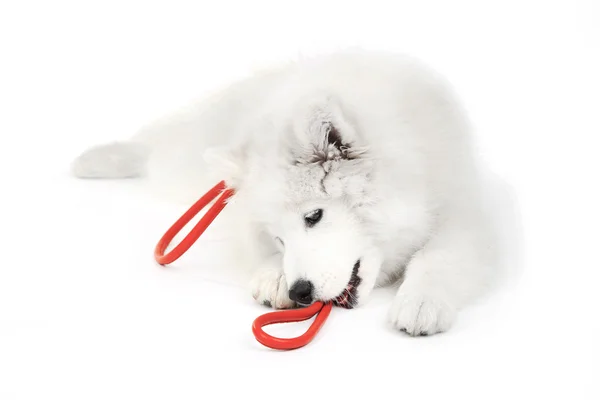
<point x="324" y="132"/>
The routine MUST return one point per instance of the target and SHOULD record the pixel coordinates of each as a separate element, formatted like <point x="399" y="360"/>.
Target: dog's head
<point x="307" y="179"/>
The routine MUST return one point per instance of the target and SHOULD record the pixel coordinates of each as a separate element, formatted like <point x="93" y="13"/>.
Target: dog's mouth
<point x="348" y="298"/>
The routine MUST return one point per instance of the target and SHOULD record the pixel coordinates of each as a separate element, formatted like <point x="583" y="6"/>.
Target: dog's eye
<point x="313" y="217"/>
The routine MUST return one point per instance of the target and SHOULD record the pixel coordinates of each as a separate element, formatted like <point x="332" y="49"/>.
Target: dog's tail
<point x="175" y="159"/>
<point x="186" y="151"/>
<point x="117" y="160"/>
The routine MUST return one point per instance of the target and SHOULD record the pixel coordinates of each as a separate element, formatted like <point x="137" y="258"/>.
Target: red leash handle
<point x="319" y="309"/>
<point x="207" y="219"/>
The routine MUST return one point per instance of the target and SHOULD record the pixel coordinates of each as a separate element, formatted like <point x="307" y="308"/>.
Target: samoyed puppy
<point x="355" y="170"/>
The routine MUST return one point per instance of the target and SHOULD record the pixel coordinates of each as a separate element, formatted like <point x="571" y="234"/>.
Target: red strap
<point x="319" y="309"/>
<point x="294" y="315"/>
<point x="207" y="219"/>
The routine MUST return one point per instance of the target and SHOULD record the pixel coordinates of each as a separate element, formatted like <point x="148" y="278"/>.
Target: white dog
<point x="355" y="170"/>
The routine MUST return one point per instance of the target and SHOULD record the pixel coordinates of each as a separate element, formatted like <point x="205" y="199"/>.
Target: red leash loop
<point x="294" y="315"/>
<point x="207" y="219"/>
<point x="319" y="309"/>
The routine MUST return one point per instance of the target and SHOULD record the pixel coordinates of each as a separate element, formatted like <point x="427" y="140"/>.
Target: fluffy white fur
<point x="377" y="141"/>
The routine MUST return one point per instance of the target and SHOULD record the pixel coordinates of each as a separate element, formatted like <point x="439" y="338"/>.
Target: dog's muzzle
<point x="349" y="297"/>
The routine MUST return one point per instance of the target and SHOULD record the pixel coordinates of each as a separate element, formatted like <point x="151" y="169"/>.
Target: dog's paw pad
<point x="420" y="315"/>
<point x="269" y="288"/>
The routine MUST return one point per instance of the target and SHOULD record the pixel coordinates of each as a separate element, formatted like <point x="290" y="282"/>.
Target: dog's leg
<point x="268" y="285"/>
<point x="450" y="270"/>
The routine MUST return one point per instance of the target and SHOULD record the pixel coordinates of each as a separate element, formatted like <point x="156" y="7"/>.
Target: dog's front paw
<point x="269" y="288"/>
<point x="419" y="313"/>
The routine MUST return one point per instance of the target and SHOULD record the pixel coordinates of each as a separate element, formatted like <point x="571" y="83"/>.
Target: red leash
<point x="207" y="219"/>
<point x="320" y="309"/>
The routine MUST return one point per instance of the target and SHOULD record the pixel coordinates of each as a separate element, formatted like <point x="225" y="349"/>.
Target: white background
<point x="85" y="313"/>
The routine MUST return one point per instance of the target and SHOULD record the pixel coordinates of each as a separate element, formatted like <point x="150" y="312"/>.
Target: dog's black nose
<point x="301" y="292"/>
